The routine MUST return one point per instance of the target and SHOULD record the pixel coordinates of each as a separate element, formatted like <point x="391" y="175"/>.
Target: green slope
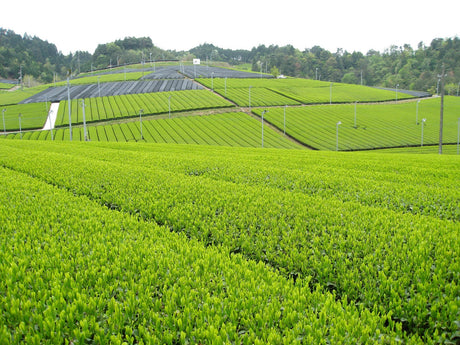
<point x="378" y="232"/>
<point x="377" y="125"/>
<point x="226" y="129"/>
<point x="295" y="91"/>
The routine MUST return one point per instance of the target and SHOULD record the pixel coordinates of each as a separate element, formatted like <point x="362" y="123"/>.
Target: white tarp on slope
<point x="52" y="115"/>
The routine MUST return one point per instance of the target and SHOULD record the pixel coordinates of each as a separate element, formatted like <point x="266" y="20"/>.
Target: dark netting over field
<point x="199" y="71"/>
<point x="152" y="72"/>
<point x="163" y="78"/>
<point x="408" y="92"/>
<point x="166" y="72"/>
<point x="8" y="81"/>
<point x="190" y="71"/>
<point x="56" y="94"/>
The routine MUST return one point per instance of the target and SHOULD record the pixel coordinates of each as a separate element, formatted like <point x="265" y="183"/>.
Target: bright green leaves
<point x="377" y="125"/>
<point x="364" y="272"/>
<point x="115" y="107"/>
<point x="226" y="129"/>
<point x="98" y="276"/>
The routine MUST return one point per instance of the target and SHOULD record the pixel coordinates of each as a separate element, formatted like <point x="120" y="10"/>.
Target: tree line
<point x="412" y="69"/>
<point x="409" y="68"/>
<point x="31" y="56"/>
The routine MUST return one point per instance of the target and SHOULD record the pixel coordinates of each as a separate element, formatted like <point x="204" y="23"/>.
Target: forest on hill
<point x="414" y="69"/>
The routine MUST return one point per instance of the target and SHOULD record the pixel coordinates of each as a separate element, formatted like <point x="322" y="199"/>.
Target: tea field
<point x="107" y="108"/>
<point x="17" y="96"/>
<point x="370" y="126"/>
<point x="261" y="92"/>
<point x="225" y="129"/>
<point x="29" y="116"/>
<point x="299" y="112"/>
<point x="103" y="78"/>
<point x="172" y="226"/>
<point x="140" y="243"/>
<point x="6" y="86"/>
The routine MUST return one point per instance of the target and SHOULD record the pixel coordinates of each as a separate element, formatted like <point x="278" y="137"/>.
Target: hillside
<point x="206" y="105"/>
<point x="175" y="203"/>
<point x="413" y="68"/>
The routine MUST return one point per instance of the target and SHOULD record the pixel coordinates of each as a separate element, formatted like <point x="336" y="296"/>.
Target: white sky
<point x="354" y="25"/>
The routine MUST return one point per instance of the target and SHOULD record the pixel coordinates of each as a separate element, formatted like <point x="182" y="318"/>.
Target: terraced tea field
<point x="128" y="239"/>
<point x="6" y="86"/>
<point x="296" y="91"/>
<point x="57" y="94"/>
<point x="112" y="107"/>
<point x="103" y="78"/>
<point x="31" y="116"/>
<point x="377" y="125"/>
<point x="304" y="112"/>
<point x="131" y="242"/>
<point x="17" y="96"/>
<point x="226" y="129"/>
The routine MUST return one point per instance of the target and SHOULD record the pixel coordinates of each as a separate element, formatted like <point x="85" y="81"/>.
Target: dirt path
<point x="14" y="88"/>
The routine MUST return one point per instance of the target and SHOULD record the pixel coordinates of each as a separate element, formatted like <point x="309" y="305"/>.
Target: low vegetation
<point x="324" y="254"/>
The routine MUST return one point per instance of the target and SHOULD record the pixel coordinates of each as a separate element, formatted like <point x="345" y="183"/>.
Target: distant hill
<point x="411" y="69"/>
<point x="38" y="58"/>
<point x="41" y="60"/>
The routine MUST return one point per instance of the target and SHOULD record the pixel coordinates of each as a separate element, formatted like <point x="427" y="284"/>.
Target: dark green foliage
<point x="37" y="57"/>
<point x="414" y="69"/>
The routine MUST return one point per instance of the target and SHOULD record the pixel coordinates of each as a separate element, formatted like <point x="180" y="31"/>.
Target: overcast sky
<point x="354" y="25"/>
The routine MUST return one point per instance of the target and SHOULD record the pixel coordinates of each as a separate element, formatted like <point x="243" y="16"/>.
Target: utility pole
<point x="442" y="109"/>
<point x="3" y="115"/>
<point x="330" y="94"/>
<point x="250" y="98"/>
<point x="355" y="114"/>
<point x="458" y="137"/>
<point x="263" y="112"/>
<point x="169" y="107"/>
<point x="70" y="107"/>
<point x="85" y="133"/>
<point x="140" y="122"/>
<point x="416" y="112"/>
<point x="284" y="124"/>
<point x="20" y="128"/>
<point x="20" y="77"/>
<point x="423" y="125"/>
<point x="51" y="126"/>
<point x="337" y="135"/>
<point x="143" y="62"/>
